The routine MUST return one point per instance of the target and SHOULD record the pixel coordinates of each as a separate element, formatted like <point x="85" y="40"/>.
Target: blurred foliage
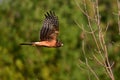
<point x="21" y="20"/>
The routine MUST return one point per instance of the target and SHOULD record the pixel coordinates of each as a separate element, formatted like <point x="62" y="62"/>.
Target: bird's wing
<point x="50" y="28"/>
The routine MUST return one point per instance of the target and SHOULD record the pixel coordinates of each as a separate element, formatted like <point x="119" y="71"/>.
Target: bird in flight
<point x="48" y="33"/>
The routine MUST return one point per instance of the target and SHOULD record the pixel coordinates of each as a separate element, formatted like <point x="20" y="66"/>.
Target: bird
<point x="48" y="33"/>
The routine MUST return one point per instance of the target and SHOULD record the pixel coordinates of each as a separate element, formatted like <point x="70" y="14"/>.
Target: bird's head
<point x="59" y="44"/>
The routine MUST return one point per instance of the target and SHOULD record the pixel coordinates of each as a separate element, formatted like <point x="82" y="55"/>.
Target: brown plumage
<point x="49" y="32"/>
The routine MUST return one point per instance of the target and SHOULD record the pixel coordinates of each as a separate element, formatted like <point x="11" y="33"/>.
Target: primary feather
<point x="50" y="28"/>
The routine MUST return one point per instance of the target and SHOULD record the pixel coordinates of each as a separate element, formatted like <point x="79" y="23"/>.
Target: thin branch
<point x="101" y="40"/>
<point x="82" y="28"/>
<point x="92" y="70"/>
<point x="96" y="59"/>
<point x="90" y="26"/>
<point x="106" y="29"/>
<point x="83" y="11"/>
<point x="107" y="60"/>
<point x="81" y="62"/>
<point x="83" y="49"/>
<point x="118" y="4"/>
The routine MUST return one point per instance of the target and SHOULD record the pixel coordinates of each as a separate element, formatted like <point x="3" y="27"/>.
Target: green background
<point x="21" y="21"/>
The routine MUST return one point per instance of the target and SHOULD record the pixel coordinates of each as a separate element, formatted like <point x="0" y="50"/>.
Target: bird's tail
<point x="27" y="43"/>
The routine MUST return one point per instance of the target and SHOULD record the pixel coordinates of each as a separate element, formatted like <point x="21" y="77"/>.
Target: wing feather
<point x="50" y="27"/>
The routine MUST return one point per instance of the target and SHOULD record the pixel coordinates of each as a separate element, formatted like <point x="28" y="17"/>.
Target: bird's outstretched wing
<point x="50" y="28"/>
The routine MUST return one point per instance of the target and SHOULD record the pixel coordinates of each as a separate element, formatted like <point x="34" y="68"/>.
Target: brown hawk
<point x="48" y="32"/>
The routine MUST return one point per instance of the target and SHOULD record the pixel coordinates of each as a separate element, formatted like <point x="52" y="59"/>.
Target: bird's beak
<point x="61" y="44"/>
